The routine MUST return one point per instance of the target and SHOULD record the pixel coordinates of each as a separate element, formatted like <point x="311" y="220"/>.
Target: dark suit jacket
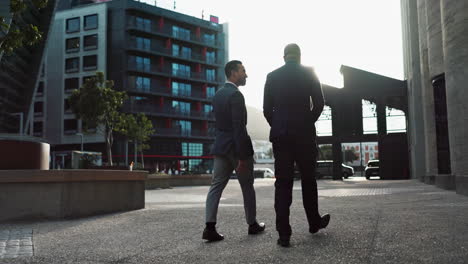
<point x="231" y="121"/>
<point x="288" y="93"/>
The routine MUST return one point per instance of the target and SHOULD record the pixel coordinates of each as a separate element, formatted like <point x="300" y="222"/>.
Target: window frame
<point x="88" y="16"/>
<point x="67" y="25"/>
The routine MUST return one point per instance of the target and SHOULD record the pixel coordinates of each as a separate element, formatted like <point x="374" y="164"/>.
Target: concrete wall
<point x="443" y="49"/>
<point x="412" y="65"/>
<point x="56" y="194"/>
<point x="455" y="35"/>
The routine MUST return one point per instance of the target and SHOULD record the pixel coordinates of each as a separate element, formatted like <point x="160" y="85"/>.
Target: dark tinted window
<point x="72" y="64"/>
<point x="90" y="42"/>
<point x="72" y="44"/>
<point x="90" y="62"/>
<point x="91" y="22"/>
<point x="73" y="25"/>
<point x="71" y="83"/>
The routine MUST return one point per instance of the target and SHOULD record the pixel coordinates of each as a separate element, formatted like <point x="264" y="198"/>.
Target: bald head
<point x="292" y="52"/>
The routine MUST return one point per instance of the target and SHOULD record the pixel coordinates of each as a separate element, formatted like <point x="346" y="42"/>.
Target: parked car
<point x="325" y="168"/>
<point x="372" y="168"/>
<point x="267" y="172"/>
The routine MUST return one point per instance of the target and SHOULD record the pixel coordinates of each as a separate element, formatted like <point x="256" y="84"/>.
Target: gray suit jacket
<point x="231" y="122"/>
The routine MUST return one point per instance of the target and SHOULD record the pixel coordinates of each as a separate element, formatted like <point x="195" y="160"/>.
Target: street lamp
<point x="81" y="135"/>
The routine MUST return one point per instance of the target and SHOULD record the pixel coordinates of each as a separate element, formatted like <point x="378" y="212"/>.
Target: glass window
<point x="175" y="50"/>
<point x="70" y="126"/>
<point x="142" y="83"/>
<point x="192" y="150"/>
<point x="209" y="38"/>
<point x="71" y="84"/>
<point x="324" y="123"/>
<point x="210" y="57"/>
<point x="180" y="70"/>
<point x="90" y="42"/>
<point x="73" y="25"/>
<point x="181" y="89"/>
<point x="143" y="43"/>
<point x="208" y="108"/>
<point x="140" y="63"/>
<point x="38" y="108"/>
<point x="396" y="120"/>
<point x="185" y="127"/>
<point x="181" y="107"/>
<point x="210" y="92"/>
<point x="369" y="117"/>
<point x="72" y="64"/>
<point x="181" y="33"/>
<point x="90" y="22"/>
<point x="186" y="52"/>
<point x="90" y="62"/>
<point x="72" y="44"/>
<point x="210" y="74"/>
<point x="66" y="106"/>
<point x="143" y="24"/>
<point x="37" y="128"/>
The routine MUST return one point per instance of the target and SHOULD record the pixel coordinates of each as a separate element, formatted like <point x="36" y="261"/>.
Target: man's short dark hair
<point x="231" y="66"/>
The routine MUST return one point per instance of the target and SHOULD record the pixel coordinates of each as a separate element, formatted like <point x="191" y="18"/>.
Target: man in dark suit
<point x="232" y="149"/>
<point x="293" y="101"/>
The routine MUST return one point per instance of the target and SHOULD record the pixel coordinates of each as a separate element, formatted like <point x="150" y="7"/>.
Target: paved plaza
<point x="374" y="221"/>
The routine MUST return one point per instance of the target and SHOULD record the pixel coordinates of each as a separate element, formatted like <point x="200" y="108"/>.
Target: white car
<point x="267" y="173"/>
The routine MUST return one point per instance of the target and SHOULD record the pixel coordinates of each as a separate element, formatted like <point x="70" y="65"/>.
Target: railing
<point x="169" y="111"/>
<point x="169" y="52"/>
<point x="178" y="132"/>
<point x="169" y="71"/>
<point x="167" y="32"/>
<point x="158" y="90"/>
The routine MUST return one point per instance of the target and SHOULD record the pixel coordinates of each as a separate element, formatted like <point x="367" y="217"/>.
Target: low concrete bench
<point x="165" y="181"/>
<point x="58" y="194"/>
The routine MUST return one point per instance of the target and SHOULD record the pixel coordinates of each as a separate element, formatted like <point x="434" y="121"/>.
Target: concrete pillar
<point x="412" y="65"/>
<point x="427" y="97"/>
<point x="436" y="67"/>
<point x="455" y="46"/>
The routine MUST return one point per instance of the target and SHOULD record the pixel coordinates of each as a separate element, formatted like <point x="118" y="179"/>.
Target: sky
<point x="364" y="34"/>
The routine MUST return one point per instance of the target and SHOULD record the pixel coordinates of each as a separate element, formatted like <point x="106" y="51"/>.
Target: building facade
<point x="435" y="36"/>
<point x="170" y="65"/>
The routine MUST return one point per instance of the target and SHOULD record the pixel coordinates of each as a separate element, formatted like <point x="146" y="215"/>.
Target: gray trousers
<point x="223" y="167"/>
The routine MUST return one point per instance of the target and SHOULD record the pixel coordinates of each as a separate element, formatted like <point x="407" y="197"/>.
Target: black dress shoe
<point x="256" y="228"/>
<point x="212" y="235"/>
<point x="284" y="242"/>
<point x="324" y="220"/>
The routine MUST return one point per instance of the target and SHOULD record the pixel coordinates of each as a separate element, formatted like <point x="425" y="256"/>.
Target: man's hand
<point x="242" y="167"/>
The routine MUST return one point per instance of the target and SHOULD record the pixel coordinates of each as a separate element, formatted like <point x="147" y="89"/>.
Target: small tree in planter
<point x="137" y="129"/>
<point x="98" y="104"/>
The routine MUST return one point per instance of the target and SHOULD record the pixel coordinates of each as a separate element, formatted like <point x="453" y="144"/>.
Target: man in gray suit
<point x="232" y="149"/>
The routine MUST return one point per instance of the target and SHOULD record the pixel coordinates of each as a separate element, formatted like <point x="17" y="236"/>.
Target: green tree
<point x="98" y="104"/>
<point x="137" y="129"/>
<point x="14" y="31"/>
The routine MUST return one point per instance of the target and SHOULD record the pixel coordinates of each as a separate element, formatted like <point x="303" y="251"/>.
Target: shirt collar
<point x="232" y="83"/>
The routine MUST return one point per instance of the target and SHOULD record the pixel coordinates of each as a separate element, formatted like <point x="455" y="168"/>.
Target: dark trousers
<point x="304" y="154"/>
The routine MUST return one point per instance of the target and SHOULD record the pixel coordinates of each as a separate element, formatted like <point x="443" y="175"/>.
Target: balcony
<point x="167" y="111"/>
<point x="167" y="71"/>
<point x="181" y="133"/>
<point x="164" y="91"/>
<point x="167" y="32"/>
<point x="193" y="56"/>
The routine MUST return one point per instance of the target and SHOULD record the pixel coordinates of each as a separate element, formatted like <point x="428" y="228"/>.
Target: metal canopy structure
<point x="347" y="118"/>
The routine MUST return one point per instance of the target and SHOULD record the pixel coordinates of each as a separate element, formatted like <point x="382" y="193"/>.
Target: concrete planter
<point x="58" y="194"/>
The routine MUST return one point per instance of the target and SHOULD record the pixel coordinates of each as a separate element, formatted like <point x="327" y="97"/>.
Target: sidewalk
<point x="372" y="222"/>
